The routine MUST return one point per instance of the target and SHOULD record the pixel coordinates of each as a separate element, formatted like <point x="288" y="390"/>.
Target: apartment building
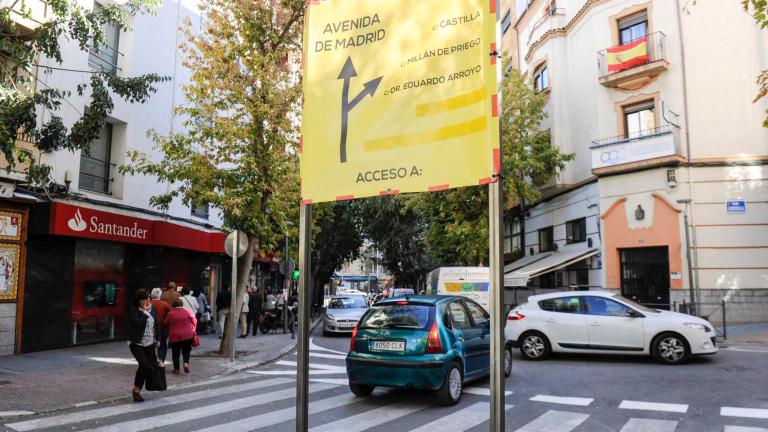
<point x="72" y="257"/>
<point x="654" y="98"/>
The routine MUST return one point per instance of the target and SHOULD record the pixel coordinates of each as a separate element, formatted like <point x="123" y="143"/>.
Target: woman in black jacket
<point x="143" y="338"/>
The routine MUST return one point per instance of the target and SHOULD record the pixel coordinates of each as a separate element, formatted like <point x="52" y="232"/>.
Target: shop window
<point x="200" y="210"/>
<point x="546" y="240"/>
<point x="547" y="281"/>
<point x="582" y="279"/>
<point x="541" y="79"/>
<point x="639" y="119"/>
<point x="103" y="57"/>
<point x="576" y="231"/>
<point x="633" y="27"/>
<point x="95" y="163"/>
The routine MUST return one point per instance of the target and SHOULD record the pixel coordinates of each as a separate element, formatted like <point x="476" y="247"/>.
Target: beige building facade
<point x="654" y="99"/>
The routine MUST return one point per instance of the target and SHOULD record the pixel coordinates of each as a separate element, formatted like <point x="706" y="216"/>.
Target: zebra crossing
<point x="263" y="400"/>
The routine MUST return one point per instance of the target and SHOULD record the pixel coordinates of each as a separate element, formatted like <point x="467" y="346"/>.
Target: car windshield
<point x="397" y="316"/>
<point x="352" y="302"/>
<point x="635" y="305"/>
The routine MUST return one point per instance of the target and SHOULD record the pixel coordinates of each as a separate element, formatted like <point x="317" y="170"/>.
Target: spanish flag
<point x="629" y="55"/>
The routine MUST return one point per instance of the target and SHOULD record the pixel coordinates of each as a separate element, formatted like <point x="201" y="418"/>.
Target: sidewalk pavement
<point x="748" y="333"/>
<point x="56" y="379"/>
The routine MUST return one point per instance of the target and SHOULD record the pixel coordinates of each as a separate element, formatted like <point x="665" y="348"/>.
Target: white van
<point x="470" y="282"/>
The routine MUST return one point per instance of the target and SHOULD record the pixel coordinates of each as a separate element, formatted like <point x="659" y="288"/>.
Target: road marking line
<point x="180" y="416"/>
<point x="282" y="415"/>
<point x="323" y="355"/>
<point x="744" y="412"/>
<point x="482" y="391"/>
<point x="461" y="420"/>
<point x="334" y="381"/>
<point x="649" y="425"/>
<point x="744" y="429"/>
<point x="371" y="418"/>
<point x="15" y="413"/>
<point x="576" y="401"/>
<point x="293" y="372"/>
<point x="654" y="406"/>
<point x="312" y="365"/>
<point x="315" y="347"/>
<point x="555" y="421"/>
<point x="99" y="413"/>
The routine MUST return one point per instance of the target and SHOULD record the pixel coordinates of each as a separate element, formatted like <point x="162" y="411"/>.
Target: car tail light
<point x="352" y="340"/>
<point x="402" y="303"/>
<point x="515" y="316"/>
<point x="433" y="341"/>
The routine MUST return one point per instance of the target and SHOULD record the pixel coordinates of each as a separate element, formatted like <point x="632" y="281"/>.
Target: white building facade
<point x="654" y="99"/>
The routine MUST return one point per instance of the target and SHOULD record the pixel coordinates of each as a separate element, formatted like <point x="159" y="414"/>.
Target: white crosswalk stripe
<point x="167" y="419"/>
<point x="98" y="413"/>
<point x="744" y="429"/>
<point x="293" y="372"/>
<point x="654" y="406"/>
<point x="576" y="401"/>
<point x="744" y="412"/>
<point x="482" y="391"/>
<point x="313" y="365"/>
<point x="314" y="347"/>
<point x="461" y="420"/>
<point x="555" y="421"/>
<point x="282" y="415"/>
<point x="649" y="425"/>
<point x="371" y="418"/>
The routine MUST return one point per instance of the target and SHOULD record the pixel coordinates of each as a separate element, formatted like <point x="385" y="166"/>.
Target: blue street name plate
<point x="736" y="206"/>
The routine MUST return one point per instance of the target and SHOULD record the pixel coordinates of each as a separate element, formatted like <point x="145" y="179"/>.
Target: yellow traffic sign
<point x="399" y="96"/>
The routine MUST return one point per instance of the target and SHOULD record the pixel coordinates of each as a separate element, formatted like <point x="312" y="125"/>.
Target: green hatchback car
<point x="422" y="342"/>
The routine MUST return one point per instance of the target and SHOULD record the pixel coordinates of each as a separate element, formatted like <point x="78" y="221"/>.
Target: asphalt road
<point x="726" y="392"/>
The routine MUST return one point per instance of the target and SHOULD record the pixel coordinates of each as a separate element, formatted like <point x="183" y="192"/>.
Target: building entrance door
<point x="645" y="275"/>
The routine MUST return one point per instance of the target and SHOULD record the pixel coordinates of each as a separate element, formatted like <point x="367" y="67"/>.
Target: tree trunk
<point x="244" y="265"/>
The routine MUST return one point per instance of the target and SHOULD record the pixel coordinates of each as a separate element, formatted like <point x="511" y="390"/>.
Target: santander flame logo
<point x="77" y="223"/>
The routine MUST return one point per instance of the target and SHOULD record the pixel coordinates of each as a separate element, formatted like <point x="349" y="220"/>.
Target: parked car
<point x="343" y="313"/>
<point x="424" y="342"/>
<point x="605" y="323"/>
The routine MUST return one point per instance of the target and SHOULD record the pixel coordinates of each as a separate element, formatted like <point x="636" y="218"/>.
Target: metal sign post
<point x="496" y="276"/>
<point x="235" y="246"/>
<point x="305" y="298"/>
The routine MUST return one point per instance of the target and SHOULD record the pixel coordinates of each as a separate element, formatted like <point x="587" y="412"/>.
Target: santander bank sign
<point x="109" y="228"/>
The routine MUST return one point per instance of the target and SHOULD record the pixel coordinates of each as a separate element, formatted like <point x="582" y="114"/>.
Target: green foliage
<point x="759" y="11"/>
<point x="336" y="239"/>
<point x="20" y="98"/>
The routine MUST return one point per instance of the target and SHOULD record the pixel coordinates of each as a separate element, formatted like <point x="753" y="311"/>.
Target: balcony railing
<point x="644" y="57"/>
<point x="652" y="147"/>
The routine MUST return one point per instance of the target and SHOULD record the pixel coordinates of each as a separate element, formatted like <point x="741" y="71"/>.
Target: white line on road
<point x="98" y="413"/>
<point x="334" y="381"/>
<point x="312" y="365"/>
<point x="744" y="429"/>
<point x="180" y="416"/>
<point x="654" y="406"/>
<point x="744" y="412"/>
<point x="314" y="347"/>
<point x="282" y="415"/>
<point x="370" y="419"/>
<point x="324" y="355"/>
<point x="649" y="425"/>
<point x="576" y="401"/>
<point x="15" y="413"/>
<point x="461" y="420"/>
<point x="293" y="372"/>
<point x="555" y="421"/>
<point x="482" y="391"/>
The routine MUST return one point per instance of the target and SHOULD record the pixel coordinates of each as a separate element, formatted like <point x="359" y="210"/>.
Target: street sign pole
<point x="305" y="272"/>
<point x="285" y="287"/>
<point x="496" y="217"/>
<point x="233" y="300"/>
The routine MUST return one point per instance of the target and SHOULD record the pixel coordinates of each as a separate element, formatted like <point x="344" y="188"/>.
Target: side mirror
<point x="633" y="314"/>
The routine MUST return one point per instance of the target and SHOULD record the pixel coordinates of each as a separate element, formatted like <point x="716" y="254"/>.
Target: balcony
<point x="30" y="14"/>
<point x="650" y="148"/>
<point x="633" y="64"/>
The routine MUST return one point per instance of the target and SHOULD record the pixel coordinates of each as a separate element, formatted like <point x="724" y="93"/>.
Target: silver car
<point x="343" y="313"/>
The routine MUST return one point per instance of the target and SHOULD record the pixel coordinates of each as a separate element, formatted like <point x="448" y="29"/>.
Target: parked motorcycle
<point x="273" y="320"/>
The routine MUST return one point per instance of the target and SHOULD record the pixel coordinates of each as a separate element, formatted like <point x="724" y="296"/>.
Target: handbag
<point x="156" y="379"/>
<point x="196" y="341"/>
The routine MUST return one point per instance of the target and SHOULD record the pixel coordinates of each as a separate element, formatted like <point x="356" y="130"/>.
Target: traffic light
<point x="296" y="274"/>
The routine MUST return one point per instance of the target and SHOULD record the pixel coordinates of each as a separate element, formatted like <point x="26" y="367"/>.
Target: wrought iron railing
<point x="643" y="134"/>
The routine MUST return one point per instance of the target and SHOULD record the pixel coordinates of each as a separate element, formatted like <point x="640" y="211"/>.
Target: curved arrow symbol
<point x="369" y="88"/>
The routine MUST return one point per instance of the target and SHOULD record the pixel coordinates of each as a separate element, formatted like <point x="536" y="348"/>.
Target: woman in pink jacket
<point x="180" y="324"/>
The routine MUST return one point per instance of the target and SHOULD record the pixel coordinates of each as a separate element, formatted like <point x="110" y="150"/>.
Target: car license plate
<point x="388" y="345"/>
<point x="347" y="324"/>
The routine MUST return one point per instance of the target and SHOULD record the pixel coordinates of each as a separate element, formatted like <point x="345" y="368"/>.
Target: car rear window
<point x="347" y="303"/>
<point x="397" y="316"/>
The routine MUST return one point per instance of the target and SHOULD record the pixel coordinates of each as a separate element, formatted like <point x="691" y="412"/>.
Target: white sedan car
<point x="601" y="322"/>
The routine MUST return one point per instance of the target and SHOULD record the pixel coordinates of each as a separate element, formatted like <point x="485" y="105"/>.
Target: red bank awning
<point x="75" y="221"/>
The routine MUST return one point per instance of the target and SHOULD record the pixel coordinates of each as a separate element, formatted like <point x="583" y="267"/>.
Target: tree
<point x="457" y="219"/>
<point x="759" y="11"/>
<point x="20" y="50"/>
<point x="238" y="145"/>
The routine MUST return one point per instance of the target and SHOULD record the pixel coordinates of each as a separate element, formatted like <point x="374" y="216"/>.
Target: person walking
<point x="254" y="311"/>
<point x="170" y="294"/>
<point x="223" y="301"/>
<point x="142" y="339"/>
<point x="189" y="302"/>
<point x="181" y="325"/>
<point x="244" y="315"/>
<point x="204" y="313"/>
<point x="161" y="310"/>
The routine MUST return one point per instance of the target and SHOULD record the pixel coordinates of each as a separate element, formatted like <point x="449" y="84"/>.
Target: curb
<point x="230" y="371"/>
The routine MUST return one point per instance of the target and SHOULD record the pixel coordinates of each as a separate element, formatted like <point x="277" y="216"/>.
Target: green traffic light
<point x="295" y="275"/>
